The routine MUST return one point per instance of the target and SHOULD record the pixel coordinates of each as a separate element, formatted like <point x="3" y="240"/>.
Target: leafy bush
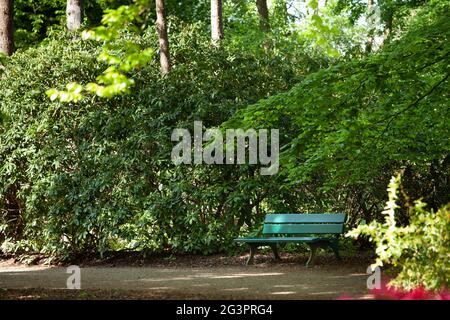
<point x="421" y="249"/>
<point x="96" y="175"/>
<point x="348" y="128"/>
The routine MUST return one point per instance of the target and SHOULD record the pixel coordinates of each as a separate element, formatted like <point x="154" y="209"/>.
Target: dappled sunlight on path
<point x="275" y="282"/>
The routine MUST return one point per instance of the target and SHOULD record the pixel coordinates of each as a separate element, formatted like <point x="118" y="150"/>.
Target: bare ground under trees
<point x="190" y="277"/>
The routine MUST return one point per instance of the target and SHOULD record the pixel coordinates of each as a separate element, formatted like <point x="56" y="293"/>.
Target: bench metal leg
<point x="275" y="252"/>
<point x="312" y="253"/>
<point x="253" y="248"/>
<point x="335" y="247"/>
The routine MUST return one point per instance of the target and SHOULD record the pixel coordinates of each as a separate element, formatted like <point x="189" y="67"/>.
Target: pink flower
<point x="418" y="294"/>
<point x="391" y="293"/>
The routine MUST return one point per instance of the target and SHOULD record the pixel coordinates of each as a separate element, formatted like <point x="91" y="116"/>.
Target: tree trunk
<point x="164" y="52"/>
<point x="216" y="20"/>
<point x="263" y="12"/>
<point x="388" y="27"/>
<point x="371" y="26"/>
<point x="74" y="14"/>
<point x="6" y="27"/>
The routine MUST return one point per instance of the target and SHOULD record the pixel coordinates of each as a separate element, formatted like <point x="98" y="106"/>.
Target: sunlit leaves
<point x="421" y="249"/>
<point x="355" y="120"/>
<point x="325" y="30"/>
<point x="71" y="94"/>
<point x="122" y="56"/>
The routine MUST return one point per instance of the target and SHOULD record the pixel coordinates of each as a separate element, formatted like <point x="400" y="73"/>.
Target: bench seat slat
<point x="316" y="230"/>
<point x="303" y="228"/>
<point x="305" y="218"/>
<point x="279" y="239"/>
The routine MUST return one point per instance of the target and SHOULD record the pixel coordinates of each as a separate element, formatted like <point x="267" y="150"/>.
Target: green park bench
<point x="316" y="230"/>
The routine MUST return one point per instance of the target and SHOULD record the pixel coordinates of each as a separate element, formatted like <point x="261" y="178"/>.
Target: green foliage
<point x="189" y="10"/>
<point x="34" y="20"/>
<point x="421" y="249"/>
<point x="319" y="33"/>
<point x="396" y="9"/>
<point x="330" y="33"/>
<point x="96" y="175"/>
<point x="121" y="56"/>
<point x="348" y="128"/>
<point x="93" y="175"/>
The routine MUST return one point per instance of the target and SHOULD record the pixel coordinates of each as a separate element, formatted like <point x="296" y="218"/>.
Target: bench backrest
<point x="305" y="223"/>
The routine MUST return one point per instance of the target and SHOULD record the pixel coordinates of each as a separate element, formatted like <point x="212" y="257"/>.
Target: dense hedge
<point x="96" y="175"/>
<point x="351" y="126"/>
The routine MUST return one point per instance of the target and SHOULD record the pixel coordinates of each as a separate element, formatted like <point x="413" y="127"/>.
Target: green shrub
<point x="348" y="128"/>
<point x="96" y="175"/>
<point x="421" y="249"/>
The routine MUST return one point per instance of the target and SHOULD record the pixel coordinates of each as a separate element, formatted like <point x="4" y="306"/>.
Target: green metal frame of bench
<point x="315" y="229"/>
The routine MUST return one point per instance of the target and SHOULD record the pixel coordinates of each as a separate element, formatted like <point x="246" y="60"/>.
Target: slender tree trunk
<point x="216" y="20"/>
<point x="263" y="12"/>
<point x="164" y="52"/>
<point x="388" y="24"/>
<point x="371" y="26"/>
<point x="74" y="14"/>
<point x="6" y="27"/>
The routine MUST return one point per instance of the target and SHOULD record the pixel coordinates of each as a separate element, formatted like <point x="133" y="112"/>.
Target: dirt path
<point x="283" y="280"/>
